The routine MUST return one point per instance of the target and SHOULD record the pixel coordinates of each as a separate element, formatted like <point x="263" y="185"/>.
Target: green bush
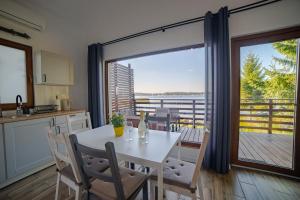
<point x="117" y="120"/>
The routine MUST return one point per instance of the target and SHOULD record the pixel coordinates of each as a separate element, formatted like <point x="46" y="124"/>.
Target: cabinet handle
<point x="44" y="78"/>
<point x="58" y="129"/>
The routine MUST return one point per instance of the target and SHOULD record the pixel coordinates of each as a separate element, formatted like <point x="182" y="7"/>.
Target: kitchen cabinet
<point x="26" y="145"/>
<point x="53" y="69"/>
<point x="2" y="156"/>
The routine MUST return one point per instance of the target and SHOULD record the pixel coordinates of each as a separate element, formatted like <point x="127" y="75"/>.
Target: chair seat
<point x="131" y="181"/>
<point x="178" y="173"/>
<point x="97" y="163"/>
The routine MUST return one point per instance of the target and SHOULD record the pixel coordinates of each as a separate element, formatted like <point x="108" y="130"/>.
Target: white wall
<point x="70" y="40"/>
<point x="62" y="39"/>
<point x="279" y="15"/>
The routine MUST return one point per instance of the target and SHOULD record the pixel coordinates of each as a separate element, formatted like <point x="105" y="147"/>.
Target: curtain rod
<point x="14" y="32"/>
<point x="190" y="21"/>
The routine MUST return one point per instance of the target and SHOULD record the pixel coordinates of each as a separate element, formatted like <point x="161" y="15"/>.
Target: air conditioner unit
<point x="19" y="14"/>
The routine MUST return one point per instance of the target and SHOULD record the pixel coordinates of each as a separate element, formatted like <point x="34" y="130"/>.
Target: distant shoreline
<point x="171" y="94"/>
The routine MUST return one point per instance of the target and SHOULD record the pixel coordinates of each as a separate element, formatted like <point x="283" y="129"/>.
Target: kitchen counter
<point x="9" y="119"/>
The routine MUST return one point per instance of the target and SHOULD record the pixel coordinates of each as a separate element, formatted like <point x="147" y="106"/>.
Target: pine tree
<point x="281" y="81"/>
<point x="288" y="49"/>
<point x="280" y="85"/>
<point x="252" y="80"/>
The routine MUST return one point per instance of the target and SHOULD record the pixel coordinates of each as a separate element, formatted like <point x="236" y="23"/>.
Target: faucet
<point x="19" y="105"/>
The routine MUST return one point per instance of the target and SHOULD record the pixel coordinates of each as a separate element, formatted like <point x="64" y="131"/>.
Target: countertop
<point x="9" y="119"/>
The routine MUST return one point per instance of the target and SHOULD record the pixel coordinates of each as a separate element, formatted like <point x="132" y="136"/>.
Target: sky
<point x="183" y="71"/>
<point x="264" y="51"/>
<point x="180" y="71"/>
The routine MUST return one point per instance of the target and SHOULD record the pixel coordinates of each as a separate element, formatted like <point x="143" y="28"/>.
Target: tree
<point x="252" y="80"/>
<point x="288" y="49"/>
<point x="280" y="84"/>
<point x="281" y="81"/>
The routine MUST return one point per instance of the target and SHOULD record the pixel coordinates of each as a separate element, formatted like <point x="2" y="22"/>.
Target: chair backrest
<point x="109" y="153"/>
<point x="79" y="123"/>
<point x="63" y="158"/>
<point x="200" y="157"/>
<point x="158" y="120"/>
<point x="126" y="112"/>
<point x="174" y="112"/>
<point x="161" y="112"/>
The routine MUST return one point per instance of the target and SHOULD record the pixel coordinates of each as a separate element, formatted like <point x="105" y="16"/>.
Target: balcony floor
<point x="271" y="149"/>
<point x="190" y="137"/>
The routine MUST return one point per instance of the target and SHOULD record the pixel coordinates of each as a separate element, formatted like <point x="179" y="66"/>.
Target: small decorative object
<point x="117" y="121"/>
<point x="58" y="103"/>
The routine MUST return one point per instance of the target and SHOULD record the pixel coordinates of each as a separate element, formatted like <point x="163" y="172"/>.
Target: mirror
<point x="15" y="74"/>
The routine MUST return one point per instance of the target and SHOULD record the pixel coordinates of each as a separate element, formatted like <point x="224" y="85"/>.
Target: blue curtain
<point x="95" y="84"/>
<point x="217" y="112"/>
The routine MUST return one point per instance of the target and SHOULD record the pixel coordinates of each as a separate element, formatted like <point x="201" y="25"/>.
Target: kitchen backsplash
<point x="46" y="94"/>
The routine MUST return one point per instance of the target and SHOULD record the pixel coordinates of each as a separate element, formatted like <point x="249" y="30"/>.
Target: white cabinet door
<point x="2" y="156"/>
<point x="53" y="69"/>
<point x="26" y="146"/>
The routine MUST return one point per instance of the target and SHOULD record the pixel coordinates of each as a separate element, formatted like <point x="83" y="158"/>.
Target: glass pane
<point x="172" y="82"/>
<point x="12" y="74"/>
<point x="267" y="109"/>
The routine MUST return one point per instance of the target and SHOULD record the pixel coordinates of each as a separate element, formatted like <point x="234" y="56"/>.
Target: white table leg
<point x="179" y="150"/>
<point x="160" y="183"/>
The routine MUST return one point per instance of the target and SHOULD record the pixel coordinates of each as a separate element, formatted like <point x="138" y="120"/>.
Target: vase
<point x="119" y="131"/>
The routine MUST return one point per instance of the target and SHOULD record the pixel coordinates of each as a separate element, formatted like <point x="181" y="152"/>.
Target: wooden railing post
<point x="194" y="113"/>
<point x="161" y="103"/>
<point x="270" y="116"/>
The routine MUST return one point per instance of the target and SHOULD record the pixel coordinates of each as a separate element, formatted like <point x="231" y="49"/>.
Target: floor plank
<point x="239" y="184"/>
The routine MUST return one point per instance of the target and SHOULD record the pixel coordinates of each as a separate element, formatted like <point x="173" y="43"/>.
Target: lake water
<point x="169" y="96"/>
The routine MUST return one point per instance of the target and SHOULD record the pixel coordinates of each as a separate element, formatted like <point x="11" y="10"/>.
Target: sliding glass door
<point x="266" y="101"/>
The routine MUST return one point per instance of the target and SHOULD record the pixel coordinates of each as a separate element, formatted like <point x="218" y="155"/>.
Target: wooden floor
<point x="272" y="149"/>
<point x="237" y="184"/>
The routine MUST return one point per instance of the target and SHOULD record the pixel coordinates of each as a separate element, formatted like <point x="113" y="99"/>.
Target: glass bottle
<point x="142" y="125"/>
<point x="1" y="115"/>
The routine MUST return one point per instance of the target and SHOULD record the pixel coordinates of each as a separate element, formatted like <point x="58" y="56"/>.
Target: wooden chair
<point x="175" y="118"/>
<point x="161" y="112"/>
<point x="158" y="122"/>
<point x="67" y="172"/>
<point x="79" y="123"/>
<point x="116" y="182"/>
<point x="67" y="169"/>
<point x="180" y="176"/>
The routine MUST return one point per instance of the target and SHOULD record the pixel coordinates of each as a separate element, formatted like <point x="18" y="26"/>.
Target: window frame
<point x="29" y="73"/>
<point x="236" y="44"/>
<point x="106" y="62"/>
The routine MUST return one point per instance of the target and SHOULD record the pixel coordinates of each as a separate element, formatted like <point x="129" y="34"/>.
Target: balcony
<point x="266" y="126"/>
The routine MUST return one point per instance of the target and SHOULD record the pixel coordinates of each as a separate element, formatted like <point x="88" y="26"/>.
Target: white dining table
<point x="152" y="154"/>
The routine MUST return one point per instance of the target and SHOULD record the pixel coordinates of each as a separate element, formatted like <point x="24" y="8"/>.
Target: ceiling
<point x="104" y="20"/>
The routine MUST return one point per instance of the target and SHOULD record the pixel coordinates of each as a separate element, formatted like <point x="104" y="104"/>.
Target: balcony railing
<point x="191" y="111"/>
<point x="265" y="115"/>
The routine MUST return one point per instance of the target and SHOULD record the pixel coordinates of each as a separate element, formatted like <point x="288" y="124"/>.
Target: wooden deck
<point x="271" y="149"/>
<point x="190" y="137"/>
